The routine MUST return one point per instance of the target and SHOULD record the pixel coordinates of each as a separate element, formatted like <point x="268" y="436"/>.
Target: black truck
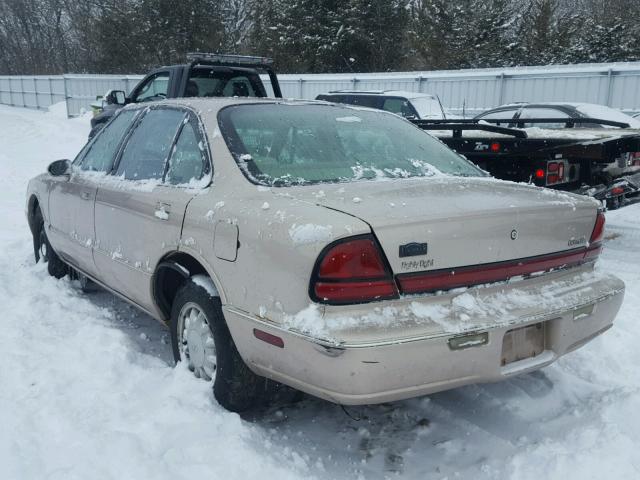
<point x="604" y="163"/>
<point x="205" y="75"/>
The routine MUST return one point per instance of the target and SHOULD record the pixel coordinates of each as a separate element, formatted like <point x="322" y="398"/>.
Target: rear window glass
<point x="205" y="82"/>
<point x="281" y="145"/>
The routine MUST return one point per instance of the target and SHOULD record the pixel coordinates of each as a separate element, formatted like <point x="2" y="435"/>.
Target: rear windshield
<point x="220" y="82"/>
<point x="285" y="144"/>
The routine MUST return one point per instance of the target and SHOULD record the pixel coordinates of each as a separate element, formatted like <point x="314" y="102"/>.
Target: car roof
<point x="210" y="106"/>
<point x="382" y="93"/>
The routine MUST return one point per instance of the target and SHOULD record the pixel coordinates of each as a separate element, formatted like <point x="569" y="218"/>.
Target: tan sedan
<point x="341" y="251"/>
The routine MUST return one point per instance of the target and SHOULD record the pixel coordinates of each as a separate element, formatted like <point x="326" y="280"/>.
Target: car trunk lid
<point x="433" y="224"/>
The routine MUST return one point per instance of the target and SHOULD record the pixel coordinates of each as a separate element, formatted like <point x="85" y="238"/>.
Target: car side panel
<point x="134" y="230"/>
<point x="70" y="229"/>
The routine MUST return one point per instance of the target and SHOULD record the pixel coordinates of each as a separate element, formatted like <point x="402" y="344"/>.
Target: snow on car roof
<point x="394" y="93"/>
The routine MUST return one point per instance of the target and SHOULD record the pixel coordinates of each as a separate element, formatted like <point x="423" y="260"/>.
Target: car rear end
<point x="459" y="279"/>
<point x="373" y="334"/>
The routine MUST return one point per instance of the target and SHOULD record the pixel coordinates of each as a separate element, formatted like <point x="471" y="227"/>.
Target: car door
<point x="71" y="201"/>
<point x="140" y="209"/>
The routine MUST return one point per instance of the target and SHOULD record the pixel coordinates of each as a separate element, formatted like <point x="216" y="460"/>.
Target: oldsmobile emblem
<point x="514" y="234"/>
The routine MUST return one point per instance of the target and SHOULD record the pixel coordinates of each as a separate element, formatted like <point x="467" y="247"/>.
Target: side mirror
<point x="115" y="97"/>
<point x="59" y="168"/>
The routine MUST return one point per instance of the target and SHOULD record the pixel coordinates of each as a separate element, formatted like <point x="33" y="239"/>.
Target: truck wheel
<point x="42" y="250"/>
<point x="200" y="337"/>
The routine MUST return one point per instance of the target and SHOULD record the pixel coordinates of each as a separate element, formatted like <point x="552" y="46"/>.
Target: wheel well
<point x="174" y="269"/>
<point x="32" y="208"/>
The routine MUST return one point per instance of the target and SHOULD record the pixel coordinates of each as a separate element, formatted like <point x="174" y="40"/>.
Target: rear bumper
<point x="392" y="369"/>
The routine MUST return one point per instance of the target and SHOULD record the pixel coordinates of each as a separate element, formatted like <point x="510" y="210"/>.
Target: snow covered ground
<point x="87" y="390"/>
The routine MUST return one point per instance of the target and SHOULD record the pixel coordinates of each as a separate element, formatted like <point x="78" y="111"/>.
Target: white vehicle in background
<point x="412" y="105"/>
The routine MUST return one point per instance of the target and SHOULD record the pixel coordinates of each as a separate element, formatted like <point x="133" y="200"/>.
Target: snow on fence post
<point x="66" y="96"/>
<point x="501" y="88"/>
<point x="607" y="101"/>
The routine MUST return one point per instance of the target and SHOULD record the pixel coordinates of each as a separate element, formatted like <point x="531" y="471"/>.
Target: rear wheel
<point x="200" y="337"/>
<point x="42" y="249"/>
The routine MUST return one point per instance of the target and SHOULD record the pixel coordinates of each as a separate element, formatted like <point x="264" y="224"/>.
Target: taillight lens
<point x="555" y="173"/>
<point x="598" y="230"/>
<point x="352" y="270"/>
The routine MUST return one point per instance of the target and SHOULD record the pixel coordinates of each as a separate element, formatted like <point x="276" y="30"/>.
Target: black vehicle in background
<point x="206" y="75"/>
<point x="518" y="113"/>
<point x="552" y="145"/>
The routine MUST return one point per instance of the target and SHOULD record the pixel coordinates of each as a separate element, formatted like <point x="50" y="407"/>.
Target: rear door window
<point x="499" y="115"/>
<point x="537" y="112"/>
<point x="214" y="82"/>
<point x="101" y="152"/>
<point x="369" y="101"/>
<point x="399" y="106"/>
<point x="145" y="154"/>
<point x="188" y="162"/>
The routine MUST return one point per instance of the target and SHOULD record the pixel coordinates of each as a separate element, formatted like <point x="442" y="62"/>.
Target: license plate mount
<point x="522" y="343"/>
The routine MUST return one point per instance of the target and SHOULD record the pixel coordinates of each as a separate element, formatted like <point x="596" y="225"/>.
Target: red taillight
<point x="598" y="230"/>
<point x="495" y="147"/>
<point x="446" y="279"/>
<point x="352" y="271"/>
<point x="555" y="172"/>
<point x="540" y="173"/>
<point x="617" y="191"/>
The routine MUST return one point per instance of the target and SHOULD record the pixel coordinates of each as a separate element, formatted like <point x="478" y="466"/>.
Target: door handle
<point x="85" y="195"/>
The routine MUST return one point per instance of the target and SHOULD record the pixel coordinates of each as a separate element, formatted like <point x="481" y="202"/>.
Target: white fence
<point x="613" y="84"/>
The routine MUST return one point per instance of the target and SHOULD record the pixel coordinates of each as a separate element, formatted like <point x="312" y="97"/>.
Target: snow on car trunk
<point x="462" y="221"/>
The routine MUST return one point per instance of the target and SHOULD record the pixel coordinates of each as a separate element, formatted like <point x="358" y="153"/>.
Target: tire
<point x="235" y="386"/>
<point x="42" y="249"/>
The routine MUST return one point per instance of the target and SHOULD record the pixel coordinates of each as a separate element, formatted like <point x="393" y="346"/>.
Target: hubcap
<point x="196" y="341"/>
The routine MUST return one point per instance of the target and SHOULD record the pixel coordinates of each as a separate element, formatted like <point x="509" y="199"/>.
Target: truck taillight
<point x="352" y="270"/>
<point x="634" y="159"/>
<point x="555" y="172"/>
